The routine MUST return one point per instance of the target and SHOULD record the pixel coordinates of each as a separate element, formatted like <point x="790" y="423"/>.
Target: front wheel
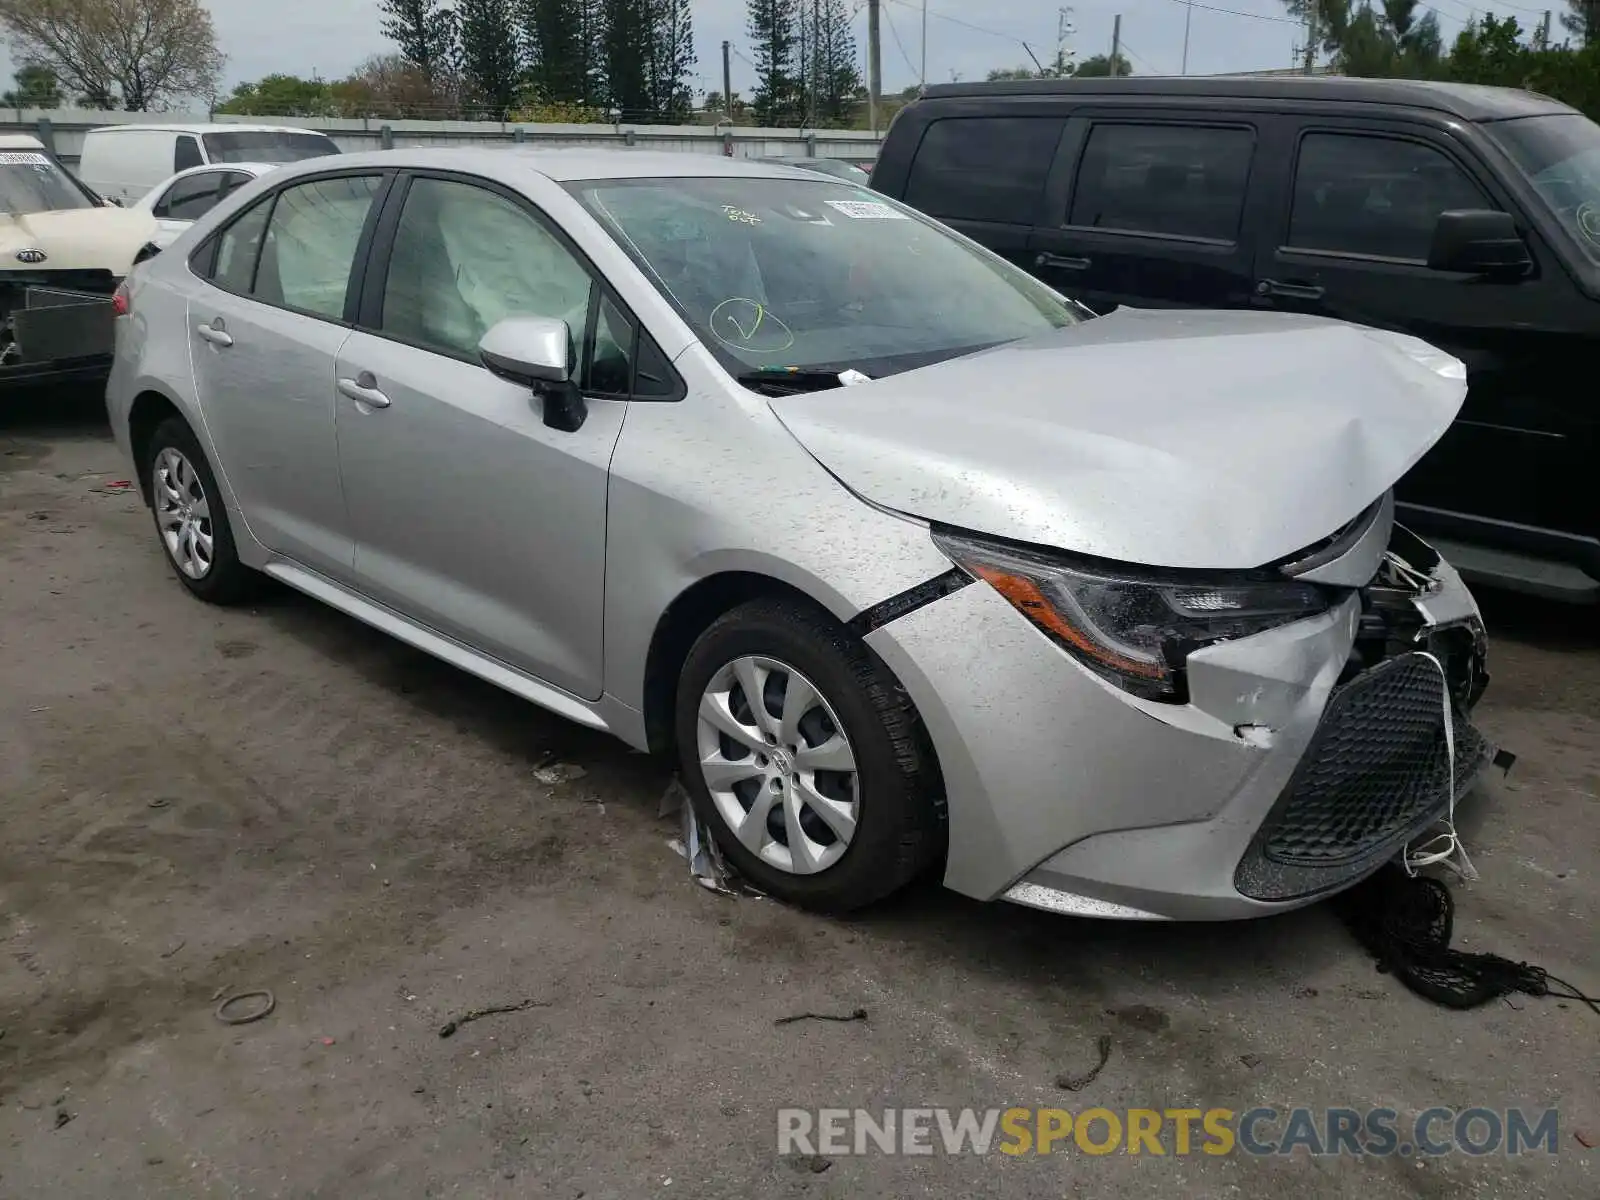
<point x="805" y="758"/>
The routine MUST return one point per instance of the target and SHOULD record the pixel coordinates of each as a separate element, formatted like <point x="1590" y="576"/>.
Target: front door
<point x="470" y="514"/>
<point x="1153" y="214"/>
<point x="265" y="339"/>
<point x="1350" y="241"/>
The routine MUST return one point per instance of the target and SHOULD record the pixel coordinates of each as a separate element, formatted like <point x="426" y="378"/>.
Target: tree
<point x="563" y="43"/>
<point x="671" y="61"/>
<point x="37" y="87"/>
<point x="132" y="54"/>
<point x="773" y="28"/>
<point x="425" y="32"/>
<point x="625" y="42"/>
<point x="835" y="79"/>
<point x="1582" y="20"/>
<point x="1005" y="74"/>
<point x="491" y="53"/>
<point x="1097" y="66"/>
<point x="282" y="96"/>
<point x="1382" y="42"/>
<point x="389" y="86"/>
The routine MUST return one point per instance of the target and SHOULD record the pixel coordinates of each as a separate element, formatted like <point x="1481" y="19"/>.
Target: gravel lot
<point x="195" y="801"/>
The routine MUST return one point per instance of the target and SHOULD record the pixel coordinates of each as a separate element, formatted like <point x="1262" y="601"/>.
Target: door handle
<point x="364" y="390"/>
<point x="216" y="333"/>
<point x="1289" y="291"/>
<point x="1065" y="262"/>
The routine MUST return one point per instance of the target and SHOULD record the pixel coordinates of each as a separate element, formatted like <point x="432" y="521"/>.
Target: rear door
<point x="265" y="339"/>
<point x="1146" y="208"/>
<point x="985" y="174"/>
<point x="1349" y="239"/>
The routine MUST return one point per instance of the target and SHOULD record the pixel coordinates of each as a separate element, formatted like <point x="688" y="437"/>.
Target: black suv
<point x="1468" y="216"/>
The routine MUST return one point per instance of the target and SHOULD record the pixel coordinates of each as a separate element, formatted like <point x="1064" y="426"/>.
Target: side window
<point x="311" y="244"/>
<point x="609" y="360"/>
<point x="983" y="168"/>
<point x="232" y="181"/>
<point x="187" y="154"/>
<point x="1376" y="196"/>
<point x="465" y="258"/>
<point x="189" y="199"/>
<point x="238" y="248"/>
<point x="1164" y="179"/>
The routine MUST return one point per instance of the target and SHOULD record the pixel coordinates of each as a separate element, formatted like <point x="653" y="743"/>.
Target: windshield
<point x="1561" y="155"/>
<point x="31" y="181"/>
<point x="778" y="274"/>
<point x="267" y="146"/>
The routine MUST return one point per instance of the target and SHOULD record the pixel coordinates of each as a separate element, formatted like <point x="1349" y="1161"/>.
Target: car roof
<point x="218" y="127"/>
<point x="1471" y="102"/>
<point x="564" y="164"/>
<point x="19" y="141"/>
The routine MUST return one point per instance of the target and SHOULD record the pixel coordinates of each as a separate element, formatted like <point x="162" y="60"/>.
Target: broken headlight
<point x="1133" y="626"/>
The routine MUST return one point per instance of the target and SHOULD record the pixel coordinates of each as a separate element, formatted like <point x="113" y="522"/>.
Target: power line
<point x="1137" y="57"/>
<point x="1010" y="37"/>
<point x="1234" y="12"/>
<point x="899" y="45"/>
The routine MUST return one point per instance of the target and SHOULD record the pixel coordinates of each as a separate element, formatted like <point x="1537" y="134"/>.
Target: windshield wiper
<point x="789" y="381"/>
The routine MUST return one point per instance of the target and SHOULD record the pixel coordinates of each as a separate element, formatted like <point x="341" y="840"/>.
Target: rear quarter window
<point x="983" y="168"/>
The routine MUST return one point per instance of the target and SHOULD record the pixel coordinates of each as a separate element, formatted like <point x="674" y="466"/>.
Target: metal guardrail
<point x="62" y="130"/>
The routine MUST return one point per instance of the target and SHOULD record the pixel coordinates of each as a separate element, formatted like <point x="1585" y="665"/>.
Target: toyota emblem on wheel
<point x="31" y="255"/>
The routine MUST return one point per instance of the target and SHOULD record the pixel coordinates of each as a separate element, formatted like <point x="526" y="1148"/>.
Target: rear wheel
<point x="805" y="758"/>
<point x="191" y="519"/>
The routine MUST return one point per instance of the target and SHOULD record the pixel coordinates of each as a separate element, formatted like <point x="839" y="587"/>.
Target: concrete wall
<point x="64" y="129"/>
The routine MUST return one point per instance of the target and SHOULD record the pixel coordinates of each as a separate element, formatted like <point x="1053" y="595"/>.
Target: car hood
<point x="78" y="239"/>
<point x="1170" y="438"/>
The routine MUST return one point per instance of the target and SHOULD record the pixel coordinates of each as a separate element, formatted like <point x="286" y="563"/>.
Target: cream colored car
<point x="63" y="253"/>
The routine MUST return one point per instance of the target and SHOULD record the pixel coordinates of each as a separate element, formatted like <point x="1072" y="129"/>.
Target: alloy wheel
<point x="778" y="765"/>
<point x="183" y="513"/>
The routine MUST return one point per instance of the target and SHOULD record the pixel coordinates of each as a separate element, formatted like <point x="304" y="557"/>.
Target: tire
<point x="895" y="795"/>
<point x="211" y="571"/>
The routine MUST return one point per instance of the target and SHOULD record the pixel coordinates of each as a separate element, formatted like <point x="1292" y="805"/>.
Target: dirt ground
<point x="195" y="802"/>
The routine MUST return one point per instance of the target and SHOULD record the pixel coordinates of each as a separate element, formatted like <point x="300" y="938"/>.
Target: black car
<point x="1467" y="216"/>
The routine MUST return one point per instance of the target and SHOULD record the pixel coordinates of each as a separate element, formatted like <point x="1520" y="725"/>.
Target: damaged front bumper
<point x="56" y="325"/>
<point x="1306" y="757"/>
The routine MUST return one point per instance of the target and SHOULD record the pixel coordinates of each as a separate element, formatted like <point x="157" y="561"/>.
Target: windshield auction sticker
<point x="23" y="159"/>
<point x="866" y="210"/>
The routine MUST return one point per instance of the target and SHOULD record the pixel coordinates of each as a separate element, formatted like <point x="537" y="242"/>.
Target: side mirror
<point x="536" y="352"/>
<point x="1478" y="242"/>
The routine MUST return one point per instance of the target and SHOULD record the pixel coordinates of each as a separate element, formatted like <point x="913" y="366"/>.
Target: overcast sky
<point x="965" y="37"/>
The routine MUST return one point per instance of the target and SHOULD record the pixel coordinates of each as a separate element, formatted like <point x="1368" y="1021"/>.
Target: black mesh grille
<point x="1377" y="766"/>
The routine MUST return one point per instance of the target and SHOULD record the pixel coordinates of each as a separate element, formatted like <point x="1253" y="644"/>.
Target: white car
<point x="189" y="195"/>
<point x="62" y="255"/>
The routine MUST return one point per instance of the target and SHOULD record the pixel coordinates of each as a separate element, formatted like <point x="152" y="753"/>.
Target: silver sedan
<point x="911" y="562"/>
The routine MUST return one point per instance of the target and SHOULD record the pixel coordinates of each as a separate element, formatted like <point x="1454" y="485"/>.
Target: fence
<point x="62" y="131"/>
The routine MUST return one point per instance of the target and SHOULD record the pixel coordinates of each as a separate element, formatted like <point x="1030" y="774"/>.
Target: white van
<point x="123" y="162"/>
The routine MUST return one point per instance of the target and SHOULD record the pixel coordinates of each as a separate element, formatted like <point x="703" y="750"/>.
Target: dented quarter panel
<point x="1171" y="438"/>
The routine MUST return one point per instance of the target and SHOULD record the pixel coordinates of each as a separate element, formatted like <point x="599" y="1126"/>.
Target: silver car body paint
<point x="553" y="581"/>
<point x="1170" y="438"/>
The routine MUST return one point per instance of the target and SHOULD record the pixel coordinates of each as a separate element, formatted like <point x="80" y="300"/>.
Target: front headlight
<point x="1133" y="626"/>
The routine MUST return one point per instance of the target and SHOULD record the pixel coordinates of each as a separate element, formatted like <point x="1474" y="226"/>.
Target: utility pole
<point x="1116" y="44"/>
<point x="922" y="77"/>
<point x="727" y="84"/>
<point x="874" y="65"/>
<point x="1188" y="11"/>
<point x="1311" y="42"/>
